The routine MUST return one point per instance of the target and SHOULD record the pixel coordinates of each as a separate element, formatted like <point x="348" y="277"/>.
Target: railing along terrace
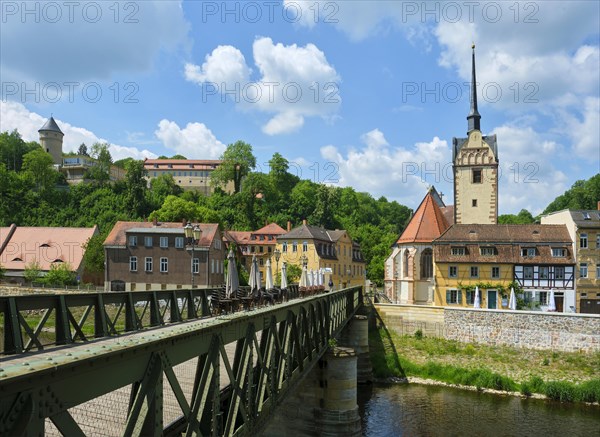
<point x="239" y="367"/>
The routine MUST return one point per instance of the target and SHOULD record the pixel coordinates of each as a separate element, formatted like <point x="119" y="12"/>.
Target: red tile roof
<point x="270" y="229"/>
<point x="118" y="237"/>
<point x="181" y="164"/>
<point x="44" y="245"/>
<point x="427" y="223"/>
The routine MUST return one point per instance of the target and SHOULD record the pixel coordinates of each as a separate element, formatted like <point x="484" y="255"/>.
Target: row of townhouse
<point x="437" y="262"/>
<point x="158" y="256"/>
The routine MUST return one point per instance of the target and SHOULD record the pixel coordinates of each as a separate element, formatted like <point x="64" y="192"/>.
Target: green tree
<point x="161" y="187"/>
<point x="178" y="156"/>
<point x="175" y="209"/>
<point x="584" y="194"/>
<point x="101" y="171"/>
<point x="37" y="164"/>
<point x="302" y="199"/>
<point x="82" y="150"/>
<point x="13" y="148"/>
<point x="237" y="161"/>
<point x="32" y="271"/>
<point x="135" y="181"/>
<point x="60" y="274"/>
<point x="524" y="217"/>
<point x="93" y="260"/>
<point x="122" y="163"/>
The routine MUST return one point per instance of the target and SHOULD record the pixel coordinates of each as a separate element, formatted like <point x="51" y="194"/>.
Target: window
<point x="543" y="272"/>
<point x="474" y="272"/>
<point x="305" y="246"/>
<point x="458" y="251"/>
<point x="212" y="265"/>
<point x="559" y="273"/>
<point x="452" y="272"/>
<point x="164" y="265"/>
<point x="488" y="251"/>
<point x="583" y="270"/>
<point x="179" y="242"/>
<point x="218" y="243"/>
<point x="496" y="272"/>
<point x="453" y="296"/>
<point x="470" y="297"/>
<point x="284" y="247"/>
<point x="133" y="263"/>
<point x="426" y="264"/>
<point x="148" y="264"/>
<point x="559" y="252"/>
<point x="164" y="242"/>
<point x="261" y="262"/>
<point x="583" y="241"/>
<point x="133" y="240"/>
<point x="476" y="176"/>
<point x="598" y="238"/>
<point x="598" y="271"/>
<point x="528" y="251"/>
<point x="196" y="265"/>
<point x="528" y="272"/>
<point x="405" y="266"/>
<point x="586" y="215"/>
<point x="474" y="202"/>
<point x="261" y="249"/>
<point x="148" y="241"/>
<point x="294" y="246"/>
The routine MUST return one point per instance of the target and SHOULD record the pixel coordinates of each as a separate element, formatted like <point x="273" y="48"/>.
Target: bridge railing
<point x="36" y="322"/>
<point x="230" y="394"/>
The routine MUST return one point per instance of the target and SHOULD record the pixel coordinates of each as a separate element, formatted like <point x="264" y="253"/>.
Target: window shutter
<point x="447" y="296"/>
<point x="459" y="296"/>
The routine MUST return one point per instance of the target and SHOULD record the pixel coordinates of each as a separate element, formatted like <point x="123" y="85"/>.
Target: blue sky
<point x="361" y="94"/>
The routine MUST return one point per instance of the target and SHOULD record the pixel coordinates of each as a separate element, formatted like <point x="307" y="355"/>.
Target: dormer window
<point x="559" y="252"/>
<point x="528" y="251"/>
<point x="488" y="251"/>
<point x="459" y="250"/>
<point x="586" y="215"/>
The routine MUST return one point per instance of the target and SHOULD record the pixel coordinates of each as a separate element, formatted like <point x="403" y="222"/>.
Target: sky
<point x="361" y="94"/>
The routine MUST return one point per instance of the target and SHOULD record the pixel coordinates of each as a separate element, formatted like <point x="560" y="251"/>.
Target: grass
<point x="499" y="368"/>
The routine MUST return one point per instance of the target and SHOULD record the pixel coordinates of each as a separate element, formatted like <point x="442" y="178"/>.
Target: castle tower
<point x="51" y="140"/>
<point x="475" y="165"/>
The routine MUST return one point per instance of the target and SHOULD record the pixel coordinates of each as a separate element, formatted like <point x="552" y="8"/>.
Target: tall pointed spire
<point x="473" y="118"/>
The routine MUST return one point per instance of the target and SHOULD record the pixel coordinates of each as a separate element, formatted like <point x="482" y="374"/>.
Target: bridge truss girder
<point x="275" y="348"/>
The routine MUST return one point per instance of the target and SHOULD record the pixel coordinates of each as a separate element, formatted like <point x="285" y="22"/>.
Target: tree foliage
<point x="32" y="271"/>
<point x="60" y="274"/>
<point x="522" y="218"/>
<point x="582" y="195"/>
<point x="237" y="162"/>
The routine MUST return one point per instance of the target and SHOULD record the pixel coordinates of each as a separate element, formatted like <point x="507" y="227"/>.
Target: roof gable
<point x="427" y="223"/>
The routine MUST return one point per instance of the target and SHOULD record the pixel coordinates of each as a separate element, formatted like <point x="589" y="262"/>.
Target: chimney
<point x="155" y="221"/>
<point x="184" y="222"/>
<point x="599" y="205"/>
<point x="304" y="222"/>
<point x="289" y="226"/>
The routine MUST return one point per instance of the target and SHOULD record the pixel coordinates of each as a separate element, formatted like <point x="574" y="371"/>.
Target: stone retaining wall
<point x="526" y="329"/>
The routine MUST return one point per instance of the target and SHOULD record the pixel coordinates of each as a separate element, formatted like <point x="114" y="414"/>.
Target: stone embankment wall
<point x="526" y="329"/>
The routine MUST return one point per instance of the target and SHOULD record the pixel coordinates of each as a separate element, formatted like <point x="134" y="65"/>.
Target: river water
<point x="420" y="410"/>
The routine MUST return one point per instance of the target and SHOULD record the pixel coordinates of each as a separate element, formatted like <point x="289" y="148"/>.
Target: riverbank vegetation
<point x="563" y="376"/>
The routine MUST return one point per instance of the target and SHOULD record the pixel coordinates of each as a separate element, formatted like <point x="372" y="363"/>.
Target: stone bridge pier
<point x="324" y="403"/>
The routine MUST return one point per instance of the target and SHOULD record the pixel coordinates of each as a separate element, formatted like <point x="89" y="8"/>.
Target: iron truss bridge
<point x="207" y="376"/>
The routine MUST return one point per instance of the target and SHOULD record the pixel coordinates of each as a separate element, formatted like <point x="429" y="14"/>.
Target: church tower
<point x="475" y="165"/>
<point x="51" y="140"/>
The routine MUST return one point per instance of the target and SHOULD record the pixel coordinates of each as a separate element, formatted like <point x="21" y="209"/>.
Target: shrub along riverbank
<point x="487" y="367"/>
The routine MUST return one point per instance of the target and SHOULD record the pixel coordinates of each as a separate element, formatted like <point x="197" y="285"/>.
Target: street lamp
<point x="304" y="260"/>
<point x="192" y="234"/>
<point x="277" y="254"/>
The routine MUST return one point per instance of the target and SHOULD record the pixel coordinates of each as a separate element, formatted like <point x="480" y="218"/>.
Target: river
<point x="420" y="410"/>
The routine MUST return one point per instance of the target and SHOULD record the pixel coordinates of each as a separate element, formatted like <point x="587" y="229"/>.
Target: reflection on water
<point x="419" y="410"/>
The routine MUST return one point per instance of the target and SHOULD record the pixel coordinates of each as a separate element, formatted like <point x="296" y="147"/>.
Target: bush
<point x="589" y="391"/>
<point x="561" y="391"/>
<point x="419" y="334"/>
<point x="546" y="362"/>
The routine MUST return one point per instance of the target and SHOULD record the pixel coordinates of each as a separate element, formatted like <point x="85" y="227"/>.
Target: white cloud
<point x="225" y="64"/>
<point x="528" y="176"/>
<point x="399" y="173"/>
<point x="295" y="82"/>
<point x="14" y="115"/>
<point x="584" y="131"/>
<point x="86" y="41"/>
<point x="195" y="141"/>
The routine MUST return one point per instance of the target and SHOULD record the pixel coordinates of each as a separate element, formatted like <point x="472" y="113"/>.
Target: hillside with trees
<point x="34" y="194"/>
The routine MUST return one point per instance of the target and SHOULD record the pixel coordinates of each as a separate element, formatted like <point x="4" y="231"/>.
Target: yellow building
<point x="333" y="251"/>
<point x="189" y="174"/>
<point x="535" y="259"/>
<point x="260" y="243"/>
<point x="584" y="229"/>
